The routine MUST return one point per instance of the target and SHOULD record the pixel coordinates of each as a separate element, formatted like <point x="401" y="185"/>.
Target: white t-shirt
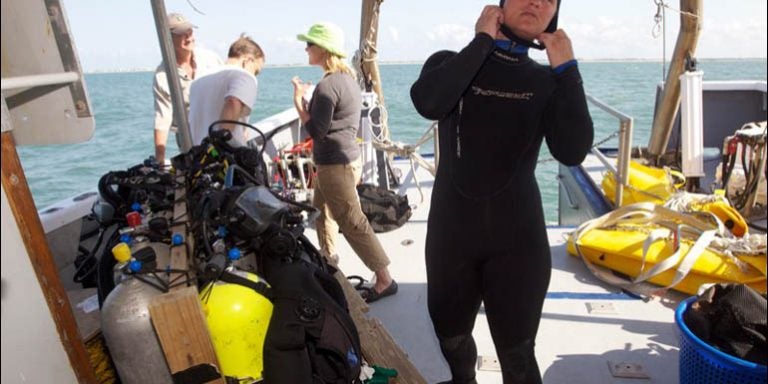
<point x="207" y="95"/>
<point x="205" y="61"/>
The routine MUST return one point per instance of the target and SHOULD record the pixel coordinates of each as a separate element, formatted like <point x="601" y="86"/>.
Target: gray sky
<point x="112" y="35"/>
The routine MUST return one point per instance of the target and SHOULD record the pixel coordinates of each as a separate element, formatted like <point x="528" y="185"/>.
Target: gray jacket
<point x="335" y="119"/>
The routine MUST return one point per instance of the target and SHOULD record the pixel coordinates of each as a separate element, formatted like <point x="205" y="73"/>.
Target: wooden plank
<point x="180" y="326"/>
<point x="179" y="254"/>
<point x="378" y="346"/>
<point x="31" y="229"/>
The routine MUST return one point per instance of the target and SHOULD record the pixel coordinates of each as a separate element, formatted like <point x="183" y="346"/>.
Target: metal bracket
<point x="623" y="369"/>
<point x="68" y="57"/>
<point x="488" y="363"/>
<point x="605" y="308"/>
<point x="6" y="117"/>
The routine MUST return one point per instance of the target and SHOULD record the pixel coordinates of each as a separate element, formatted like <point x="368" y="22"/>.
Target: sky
<point x="120" y="35"/>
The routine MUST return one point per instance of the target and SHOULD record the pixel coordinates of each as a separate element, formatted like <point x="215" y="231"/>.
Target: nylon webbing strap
<point x="649" y="213"/>
<point x="258" y="286"/>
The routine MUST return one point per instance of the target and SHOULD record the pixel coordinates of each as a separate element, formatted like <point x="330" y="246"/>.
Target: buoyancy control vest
<point x="311" y="337"/>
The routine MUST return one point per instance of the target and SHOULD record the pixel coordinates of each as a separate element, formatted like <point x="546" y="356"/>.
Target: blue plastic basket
<point x="701" y="363"/>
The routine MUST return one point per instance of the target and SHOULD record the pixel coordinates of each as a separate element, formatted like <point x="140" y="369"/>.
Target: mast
<point x="685" y="48"/>
<point x="369" y="30"/>
<point x="172" y="74"/>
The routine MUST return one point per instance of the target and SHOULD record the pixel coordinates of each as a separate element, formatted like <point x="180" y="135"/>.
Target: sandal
<point x="370" y="295"/>
<point x="357" y="282"/>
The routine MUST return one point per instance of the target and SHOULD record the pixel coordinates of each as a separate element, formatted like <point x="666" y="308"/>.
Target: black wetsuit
<point x="486" y="237"/>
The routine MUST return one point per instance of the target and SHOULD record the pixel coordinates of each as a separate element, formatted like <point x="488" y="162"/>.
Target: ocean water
<point x="122" y="103"/>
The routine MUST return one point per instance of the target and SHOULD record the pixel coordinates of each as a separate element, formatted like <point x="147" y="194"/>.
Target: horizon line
<point x="414" y="62"/>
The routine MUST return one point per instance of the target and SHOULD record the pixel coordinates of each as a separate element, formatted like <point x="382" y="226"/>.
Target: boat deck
<point x="586" y="326"/>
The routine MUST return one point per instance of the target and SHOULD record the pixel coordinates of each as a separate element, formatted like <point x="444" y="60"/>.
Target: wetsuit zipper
<point x="458" y="131"/>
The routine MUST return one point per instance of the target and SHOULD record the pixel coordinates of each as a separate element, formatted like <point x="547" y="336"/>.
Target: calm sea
<point x="124" y="119"/>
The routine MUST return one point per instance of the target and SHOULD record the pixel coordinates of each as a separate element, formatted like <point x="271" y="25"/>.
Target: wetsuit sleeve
<point x="446" y="75"/>
<point x="568" y="130"/>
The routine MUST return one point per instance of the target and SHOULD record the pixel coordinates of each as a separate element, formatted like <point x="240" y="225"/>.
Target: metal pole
<point x="172" y="74"/>
<point x="39" y="80"/>
<point x="621" y="171"/>
<point x="625" y="152"/>
<point x="690" y="25"/>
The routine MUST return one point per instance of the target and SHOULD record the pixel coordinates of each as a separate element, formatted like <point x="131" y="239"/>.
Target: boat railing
<point x="621" y="169"/>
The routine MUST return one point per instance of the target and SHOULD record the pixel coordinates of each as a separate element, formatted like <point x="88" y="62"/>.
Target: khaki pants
<point x="336" y="198"/>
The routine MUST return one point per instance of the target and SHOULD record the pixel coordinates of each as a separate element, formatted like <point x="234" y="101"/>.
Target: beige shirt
<point x="206" y="62"/>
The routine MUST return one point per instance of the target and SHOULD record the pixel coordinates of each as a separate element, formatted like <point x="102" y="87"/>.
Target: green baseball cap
<point x="326" y="35"/>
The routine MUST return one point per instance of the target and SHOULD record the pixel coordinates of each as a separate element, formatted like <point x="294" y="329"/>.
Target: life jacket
<point x="385" y="209"/>
<point x="311" y="336"/>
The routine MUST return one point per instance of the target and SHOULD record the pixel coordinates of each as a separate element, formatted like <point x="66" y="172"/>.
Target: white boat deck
<point x="574" y="345"/>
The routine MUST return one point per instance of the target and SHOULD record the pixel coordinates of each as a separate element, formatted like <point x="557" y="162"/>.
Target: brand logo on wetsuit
<point x="507" y="95"/>
<point x="506" y="57"/>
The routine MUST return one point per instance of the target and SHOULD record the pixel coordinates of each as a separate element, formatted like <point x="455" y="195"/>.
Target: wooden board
<point x="180" y="325"/>
<point x="40" y="257"/>
<point x="379" y="348"/>
<point x="180" y="254"/>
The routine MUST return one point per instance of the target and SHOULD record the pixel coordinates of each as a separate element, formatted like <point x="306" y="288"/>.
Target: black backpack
<point x="385" y="209"/>
<point x="311" y="337"/>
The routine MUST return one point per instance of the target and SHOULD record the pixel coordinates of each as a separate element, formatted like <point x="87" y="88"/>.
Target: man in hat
<point x="191" y="62"/>
<point x="495" y="107"/>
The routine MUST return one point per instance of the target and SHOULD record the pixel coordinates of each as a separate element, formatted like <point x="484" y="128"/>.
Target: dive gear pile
<point x="272" y="306"/>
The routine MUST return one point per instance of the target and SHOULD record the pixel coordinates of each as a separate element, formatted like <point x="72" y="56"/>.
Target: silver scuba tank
<point x="125" y="322"/>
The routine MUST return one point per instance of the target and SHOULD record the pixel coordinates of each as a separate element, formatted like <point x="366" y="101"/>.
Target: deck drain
<point x="488" y="363"/>
<point x="605" y="308"/>
<point x="627" y="370"/>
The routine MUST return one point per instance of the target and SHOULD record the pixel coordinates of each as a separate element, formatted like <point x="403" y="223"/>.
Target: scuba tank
<point x="237" y="308"/>
<point x="125" y="321"/>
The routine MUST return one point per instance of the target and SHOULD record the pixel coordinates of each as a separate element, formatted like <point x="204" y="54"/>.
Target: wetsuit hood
<point x="511" y="35"/>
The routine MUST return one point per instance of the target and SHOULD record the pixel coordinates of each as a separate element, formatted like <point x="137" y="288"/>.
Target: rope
<point x="409" y="151"/>
<point x="750" y="140"/>
<point x="684" y="13"/>
<point x="606" y="139"/>
<point x="367" y="53"/>
<point x="660" y="25"/>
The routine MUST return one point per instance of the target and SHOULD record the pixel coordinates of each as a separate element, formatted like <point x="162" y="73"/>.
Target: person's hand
<point x="490" y="20"/>
<point x="558" y="45"/>
<point x="299" y="88"/>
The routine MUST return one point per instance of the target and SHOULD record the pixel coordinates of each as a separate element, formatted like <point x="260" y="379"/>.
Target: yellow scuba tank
<point x="237" y="310"/>
<point x="646" y="184"/>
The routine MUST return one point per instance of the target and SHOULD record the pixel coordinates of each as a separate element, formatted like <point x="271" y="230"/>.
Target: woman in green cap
<point x="332" y="118"/>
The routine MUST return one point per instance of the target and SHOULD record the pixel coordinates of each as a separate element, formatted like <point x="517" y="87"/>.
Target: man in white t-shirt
<point x="191" y="62"/>
<point x="227" y="94"/>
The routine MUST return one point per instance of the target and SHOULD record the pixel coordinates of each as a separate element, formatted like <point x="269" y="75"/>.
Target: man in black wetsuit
<point x="486" y="237"/>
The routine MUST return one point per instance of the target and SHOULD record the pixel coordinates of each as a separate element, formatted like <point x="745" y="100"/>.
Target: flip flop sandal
<point x="372" y="295"/>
